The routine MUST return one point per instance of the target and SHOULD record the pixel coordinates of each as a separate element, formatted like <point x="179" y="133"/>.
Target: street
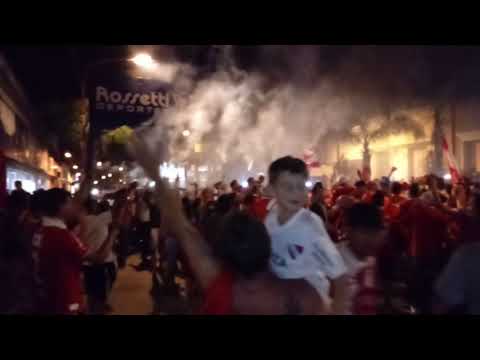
<point x="131" y="293"/>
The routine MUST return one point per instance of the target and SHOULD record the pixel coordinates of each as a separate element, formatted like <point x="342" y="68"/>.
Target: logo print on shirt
<point x="278" y="261"/>
<point x="294" y="250"/>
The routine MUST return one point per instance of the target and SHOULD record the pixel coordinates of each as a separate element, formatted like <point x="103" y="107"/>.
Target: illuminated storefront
<point x="21" y="158"/>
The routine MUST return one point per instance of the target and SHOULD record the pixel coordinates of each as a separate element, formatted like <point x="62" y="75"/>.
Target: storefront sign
<point x="117" y="101"/>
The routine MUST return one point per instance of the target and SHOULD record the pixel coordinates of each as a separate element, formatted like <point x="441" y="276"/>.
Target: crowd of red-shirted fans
<point x="356" y="248"/>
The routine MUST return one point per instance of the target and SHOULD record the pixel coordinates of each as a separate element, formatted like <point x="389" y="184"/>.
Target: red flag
<point x="310" y="159"/>
<point x="452" y="164"/>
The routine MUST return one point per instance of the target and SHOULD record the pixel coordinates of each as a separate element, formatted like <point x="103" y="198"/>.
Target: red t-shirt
<point x="260" y="210"/>
<point x="426" y="228"/>
<point x="392" y="207"/>
<point x="58" y="256"/>
<point x="219" y="296"/>
<point x="367" y="298"/>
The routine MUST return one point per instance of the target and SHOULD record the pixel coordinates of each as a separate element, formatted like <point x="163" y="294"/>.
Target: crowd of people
<point x="277" y="248"/>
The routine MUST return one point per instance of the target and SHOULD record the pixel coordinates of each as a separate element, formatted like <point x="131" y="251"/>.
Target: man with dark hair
<point x="457" y="288"/>
<point x="100" y="269"/>
<point x="364" y="238"/>
<point x="392" y="208"/>
<point x="414" y="191"/>
<point x="251" y="184"/>
<point x="58" y="256"/>
<point x="360" y="190"/>
<point x="19" y="190"/>
<point x="301" y="246"/>
<point x="235" y="187"/>
<point x="317" y="203"/>
<point x="238" y="281"/>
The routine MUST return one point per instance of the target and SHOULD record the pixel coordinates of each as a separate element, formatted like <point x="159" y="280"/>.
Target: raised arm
<point x="201" y="260"/>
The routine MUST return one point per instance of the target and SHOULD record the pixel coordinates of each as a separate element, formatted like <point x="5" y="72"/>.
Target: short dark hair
<point x="90" y="205"/>
<point x="360" y="183"/>
<point x="233" y="183"/>
<point x="243" y="244"/>
<point x="103" y="206"/>
<point x="287" y="164"/>
<point x="225" y="203"/>
<point x="54" y="200"/>
<point x="378" y="199"/>
<point x="396" y="188"/>
<point x="37" y="201"/>
<point x="414" y="191"/>
<point x="363" y="215"/>
<point x="18" y="182"/>
<point x="318" y="186"/>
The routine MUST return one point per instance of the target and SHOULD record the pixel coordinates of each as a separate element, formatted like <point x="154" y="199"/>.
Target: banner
<point x="452" y="164"/>
<point x="117" y="100"/>
<point x="310" y="158"/>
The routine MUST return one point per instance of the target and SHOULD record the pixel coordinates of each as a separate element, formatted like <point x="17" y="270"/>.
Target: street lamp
<point x="143" y="60"/>
<point x="68" y="155"/>
<point x="186" y="133"/>
<point x="109" y="175"/>
<point x="120" y="169"/>
<point x="99" y="164"/>
<point x="75" y="167"/>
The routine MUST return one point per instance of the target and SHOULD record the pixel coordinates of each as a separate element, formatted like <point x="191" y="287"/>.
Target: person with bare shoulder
<point x="235" y="275"/>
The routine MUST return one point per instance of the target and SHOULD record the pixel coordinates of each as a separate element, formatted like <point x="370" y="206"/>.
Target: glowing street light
<point x="309" y="184"/>
<point x="103" y="177"/>
<point x="120" y="168"/>
<point x="95" y="192"/>
<point x="95" y="182"/>
<point x="186" y="133"/>
<point x="152" y="184"/>
<point x="110" y="175"/>
<point x="68" y="155"/>
<point x="99" y="164"/>
<point x="78" y="174"/>
<point x="143" y="60"/>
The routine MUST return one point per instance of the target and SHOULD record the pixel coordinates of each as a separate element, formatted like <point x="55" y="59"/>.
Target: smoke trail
<point x="241" y="122"/>
<point x="244" y="119"/>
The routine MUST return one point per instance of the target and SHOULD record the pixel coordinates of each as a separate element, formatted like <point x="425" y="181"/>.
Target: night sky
<point x="52" y="73"/>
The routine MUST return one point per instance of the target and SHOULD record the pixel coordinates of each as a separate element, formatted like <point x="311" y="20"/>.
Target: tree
<point x="62" y="127"/>
<point x="113" y="144"/>
<point x="372" y="128"/>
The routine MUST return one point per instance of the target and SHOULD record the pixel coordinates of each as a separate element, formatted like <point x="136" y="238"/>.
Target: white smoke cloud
<point x="242" y="125"/>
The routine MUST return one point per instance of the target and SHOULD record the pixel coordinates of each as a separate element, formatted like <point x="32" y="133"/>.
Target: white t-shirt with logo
<point x="302" y="249"/>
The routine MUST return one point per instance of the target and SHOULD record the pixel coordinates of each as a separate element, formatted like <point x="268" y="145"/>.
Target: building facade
<point x="414" y="156"/>
<point x="21" y="156"/>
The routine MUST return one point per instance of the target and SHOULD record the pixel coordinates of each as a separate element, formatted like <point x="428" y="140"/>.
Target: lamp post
<point x="141" y="60"/>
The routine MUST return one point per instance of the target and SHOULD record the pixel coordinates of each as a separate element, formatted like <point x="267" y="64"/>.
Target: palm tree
<point x="368" y="129"/>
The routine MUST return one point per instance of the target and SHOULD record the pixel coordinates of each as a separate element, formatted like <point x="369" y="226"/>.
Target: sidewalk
<point x="131" y="293"/>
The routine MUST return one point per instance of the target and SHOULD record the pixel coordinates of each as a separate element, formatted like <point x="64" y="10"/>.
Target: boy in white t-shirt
<point x="301" y="247"/>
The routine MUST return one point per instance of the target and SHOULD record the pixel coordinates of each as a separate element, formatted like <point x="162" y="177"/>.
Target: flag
<point x="452" y="164"/>
<point x="310" y="159"/>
